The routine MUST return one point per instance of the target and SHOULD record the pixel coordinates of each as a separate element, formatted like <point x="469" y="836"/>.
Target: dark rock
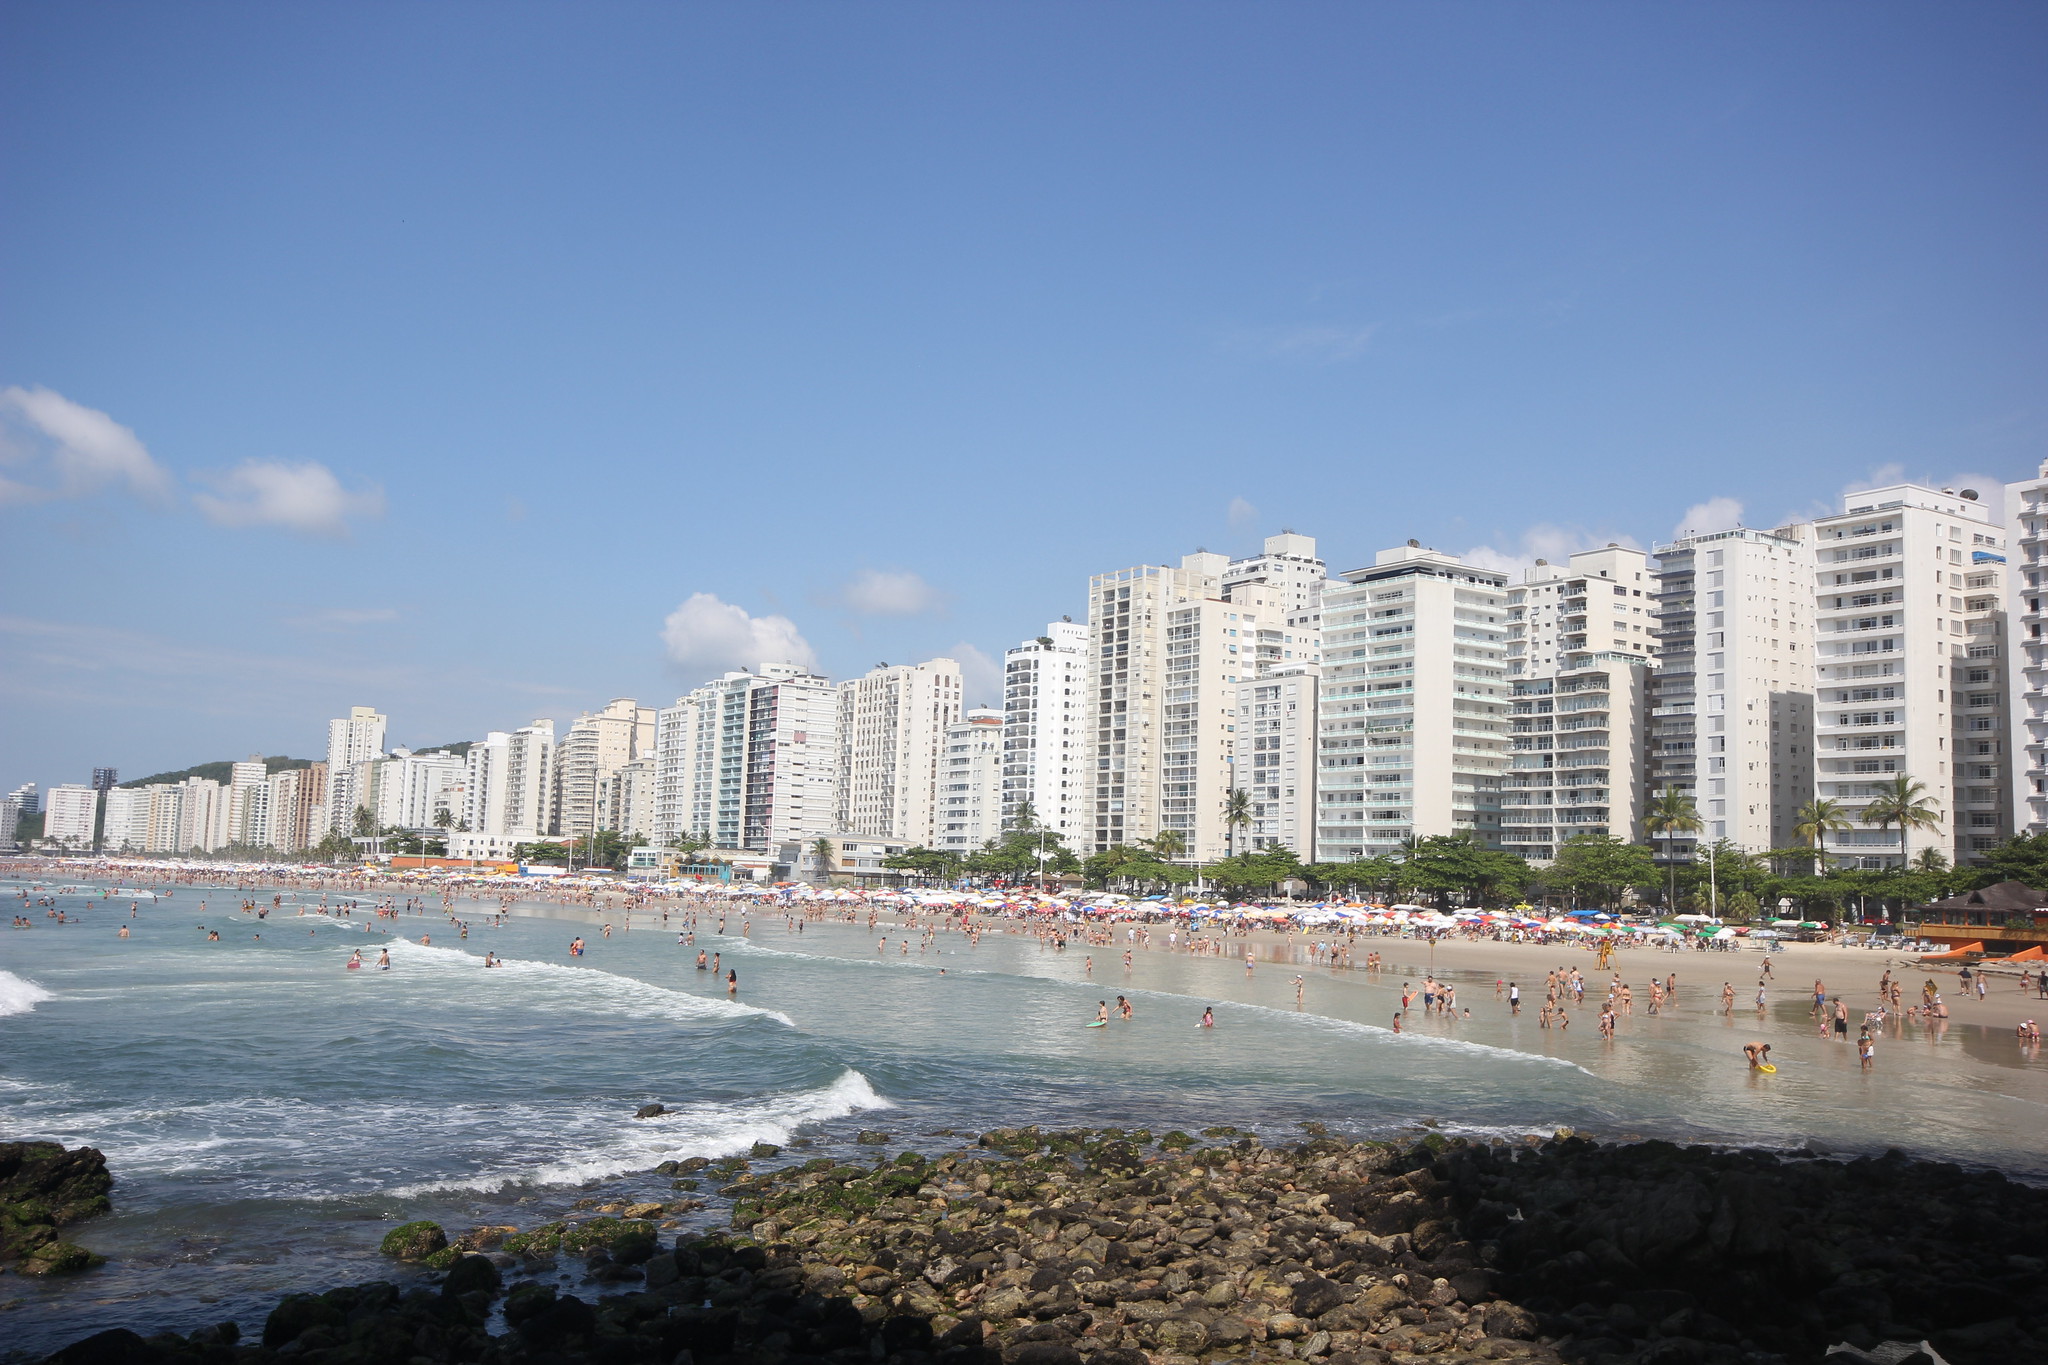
<point x="471" y="1273"/>
<point x="1042" y="1353"/>
<point x="44" y="1187"/>
<point x="297" y="1315"/>
<point x="1315" y="1296"/>
<point x="115" y="1346"/>
<point x="761" y="1151"/>
<point x="650" y="1111"/>
<point x="868" y="1137"/>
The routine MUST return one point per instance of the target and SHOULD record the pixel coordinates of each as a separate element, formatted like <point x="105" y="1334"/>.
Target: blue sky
<point x="481" y="362"/>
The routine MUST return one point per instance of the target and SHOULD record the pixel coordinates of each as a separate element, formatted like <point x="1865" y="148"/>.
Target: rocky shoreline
<point x="44" y="1188"/>
<point x="1118" y="1247"/>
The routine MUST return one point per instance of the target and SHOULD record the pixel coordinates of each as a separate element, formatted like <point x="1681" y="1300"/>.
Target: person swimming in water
<point x="1208" y="1017"/>
<point x="384" y="960"/>
<point x="1123" y="1007"/>
<point x="732" y="983"/>
<point x="1102" y="1011"/>
<point x="355" y="960"/>
<point x="703" y="960"/>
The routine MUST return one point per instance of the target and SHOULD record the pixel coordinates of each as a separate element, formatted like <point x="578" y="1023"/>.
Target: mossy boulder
<point x="538" y="1244"/>
<point x="626" y="1240"/>
<point x="59" y="1258"/>
<point x="414" y="1241"/>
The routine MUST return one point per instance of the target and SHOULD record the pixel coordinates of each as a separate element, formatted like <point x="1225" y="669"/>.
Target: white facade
<point x="407" y="790"/>
<point x="202" y="816"/>
<point x="1045" y="711"/>
<point x="483" y="785"/>
<point x="70" y="810"/>
<point x="126" y="829"/>
<point x="970" y="800"/>
<point x="26" y="799"/>
<point x="353" y="739"/>
<point x="1274" y="759"/>
<point x="1911" y="668"/>
<point x="527" y="803"/>
<point x="626" y="801"/>
<point x="750" y="760"/>
<point x="595" y="747"/>
<point x="1733" y="706"/>
<point x="1580" y="641"/>
<point x="1414" y="704"/>
<point x="892" y="730"/>
<point x="1168" y="648"/>
<point x="2026" y="529"/>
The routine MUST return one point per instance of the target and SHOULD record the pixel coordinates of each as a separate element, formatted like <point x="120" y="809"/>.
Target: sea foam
<point x="19" y="995"/>
<point x="552" y="982"/>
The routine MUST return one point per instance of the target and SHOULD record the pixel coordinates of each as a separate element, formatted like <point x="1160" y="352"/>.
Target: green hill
<point x="219" y="772"/>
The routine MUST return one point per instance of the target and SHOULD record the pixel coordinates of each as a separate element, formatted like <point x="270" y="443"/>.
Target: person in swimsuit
<point x="1102" y="1011"/>
<point x="732" y="983"/>
<point x="1208" y="1017"/>
<point x="703" y="962"/>
<point x="1758" y="1054"/>
<point x="384" y="960"/>
<point x="1123" y="1008"/>
<point x="355" y="960"/>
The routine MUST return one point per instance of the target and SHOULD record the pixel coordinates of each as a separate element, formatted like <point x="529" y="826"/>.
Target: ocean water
<point x="269" y="1114"/>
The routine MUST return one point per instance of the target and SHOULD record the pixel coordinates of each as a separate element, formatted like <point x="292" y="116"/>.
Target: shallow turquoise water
<point x="268" y="1113"/>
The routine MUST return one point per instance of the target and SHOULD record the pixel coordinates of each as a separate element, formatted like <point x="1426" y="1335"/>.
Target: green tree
<point x="1601" y="868"/>
<point x="1904" y="802"/>
<point x="365" y="823"/>
<point x="1026" y="817"/>
<point x="1266" y="867"/>
<point x="933" y="864"/>
<point x="444" y="818"/>
<point x="1237" y="813"/>
<point x="1015" y="854"/>
<point x="826" y="855"/>
<point x="1815" y="821"/>
<point x="1169" y="844"/>
<point x="1671" y="814"/>
<point x="2022" y="858"/>
<point x="1458" y="863"/>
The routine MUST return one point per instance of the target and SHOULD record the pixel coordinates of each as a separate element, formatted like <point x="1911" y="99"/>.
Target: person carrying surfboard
<point x="1759" y="1055"/>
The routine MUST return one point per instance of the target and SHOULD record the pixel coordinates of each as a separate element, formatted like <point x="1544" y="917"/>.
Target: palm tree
<point x="1672" y="813"/>
<point x="1026" y="818"/>
<point x="1817" y="819"/>
<point x="1169" y="844"/>
<point x="826" y="852"/>
<point x="1903" y="802"/>
<point x="1237" y="813"/>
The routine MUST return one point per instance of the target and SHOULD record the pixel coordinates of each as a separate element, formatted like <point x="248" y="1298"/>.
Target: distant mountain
<point x="219" y="772"/>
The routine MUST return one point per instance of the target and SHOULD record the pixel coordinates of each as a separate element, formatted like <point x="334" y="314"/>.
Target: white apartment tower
<point x="1580" y="641"/>
<point x="1045" y="710"/>
<point x="970" y="803"/>
<point x="1274" y="759"/>
<point x="1168" y="649"/>
<point x="527" y="804"/>
<point x="355" y="738"/>
<point x="750" y="760"/>
<point x="70" y="810"/>
<point x="1732" y="701"/>
<point x="1910" y="666"/>
<point x="2026" y="532"/>
<point x="1414" y="708"/>
<point x="595" y="747"/>
<point x="892" y="731"/>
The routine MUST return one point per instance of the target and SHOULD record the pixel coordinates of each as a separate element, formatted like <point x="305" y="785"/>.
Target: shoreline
<point x="1122" y="1247"/>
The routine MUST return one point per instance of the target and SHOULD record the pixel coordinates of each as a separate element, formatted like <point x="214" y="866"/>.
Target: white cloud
<point x="890" y="592"/>
<point x="1990" y="488"/>
<point x="1308" y="341"/>
<point x="1243" y="516"/>
<point x="981" y="677"/>
<point x="1556" y="544"/>
<point x="302" y="497"/>
<point x="705" y="637"/>
<point x="1704" y="518"/>
<point x="78" y="449"/>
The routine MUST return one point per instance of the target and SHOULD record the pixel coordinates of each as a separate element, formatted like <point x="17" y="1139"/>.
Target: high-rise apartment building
<point x="1415" y="697"/>
<point x="1045" y="712"/>
<point x="10" y="817"/>
<point x="70" y="812"/>
<point x="892" y="732"/>
<point x="970" y="800"/>
<point x="25" y="799"/>
<point x="2026" y="576"/>
<point x="626" y="800"/>
<point x="1274" y="759"/>
<point x="1911" y="667"/>
<point x="750" y="760"/>
<point x="527" y="804"/>
<point x="1580" y="638"/>
<point x="351" y="739"/>
<point x="1168" y="648"/>
<point x="409" y="790"/>
<point x="1732" y="701"/>
<point x="595" y="747"/>
<point x="126" y="826"/>
<point x="105" y="779"/>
